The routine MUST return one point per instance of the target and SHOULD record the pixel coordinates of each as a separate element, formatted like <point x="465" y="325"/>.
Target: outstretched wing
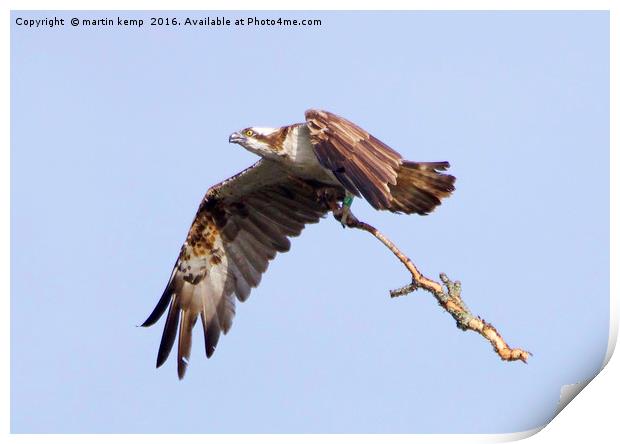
<point x="368" y="167"/>
<point x="240" y="226"/>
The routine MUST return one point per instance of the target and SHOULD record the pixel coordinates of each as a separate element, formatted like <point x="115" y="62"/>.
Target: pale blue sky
<point x="117" y="133"/>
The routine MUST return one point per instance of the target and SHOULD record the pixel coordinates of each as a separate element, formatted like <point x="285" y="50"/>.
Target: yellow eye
<point x="248" y="133"/>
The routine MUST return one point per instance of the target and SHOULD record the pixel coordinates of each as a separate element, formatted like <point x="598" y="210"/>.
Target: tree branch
<point x="449" y="299"/>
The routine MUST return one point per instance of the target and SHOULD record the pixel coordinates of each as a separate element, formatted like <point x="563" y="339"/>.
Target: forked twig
<point x="449" y="299"/>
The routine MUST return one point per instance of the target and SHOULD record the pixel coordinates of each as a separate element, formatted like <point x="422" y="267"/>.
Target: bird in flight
<point x="305" y="170"/>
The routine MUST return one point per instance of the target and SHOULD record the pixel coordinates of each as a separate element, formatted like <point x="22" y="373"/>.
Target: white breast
<point x="300" y="156"/>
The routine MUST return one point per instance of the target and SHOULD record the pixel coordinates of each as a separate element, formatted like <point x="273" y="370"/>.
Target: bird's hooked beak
<point x="236" y="138"/>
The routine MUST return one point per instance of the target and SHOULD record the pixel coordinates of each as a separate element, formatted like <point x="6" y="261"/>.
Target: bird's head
<point x="266" y="142"/>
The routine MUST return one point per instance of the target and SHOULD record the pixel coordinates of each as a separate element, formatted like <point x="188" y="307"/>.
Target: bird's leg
<point x="346" y="208"/>
<point x="342" y="213"/>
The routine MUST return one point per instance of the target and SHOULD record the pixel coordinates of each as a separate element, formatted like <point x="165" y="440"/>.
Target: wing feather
<point x="226" y="312"/>
<point x="242" y="287"/>
<point x="170" y="332"/>
<point x="278" y="238"/>
<point x="162" y="304"/>
<point x="353" y="154"/>
<point x="249" y="273"/>
<point x="188" y="320"/>
<point x="366" y="166"/>
<point x="278" y="216"/>
<point x="256" y="233"/>
<point x="241" y="224"/>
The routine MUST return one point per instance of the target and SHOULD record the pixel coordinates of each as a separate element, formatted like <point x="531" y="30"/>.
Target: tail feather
<point x="420" y="186"/>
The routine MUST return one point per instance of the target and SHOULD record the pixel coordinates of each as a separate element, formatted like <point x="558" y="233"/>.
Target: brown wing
<point x="368" y="167"/>
<point x="240" y="226"/>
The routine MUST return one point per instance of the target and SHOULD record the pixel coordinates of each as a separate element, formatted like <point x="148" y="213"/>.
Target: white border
<point x="592" y="416"/>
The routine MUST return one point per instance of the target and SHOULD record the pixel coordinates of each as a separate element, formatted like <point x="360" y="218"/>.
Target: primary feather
<point x="240" y="226"/>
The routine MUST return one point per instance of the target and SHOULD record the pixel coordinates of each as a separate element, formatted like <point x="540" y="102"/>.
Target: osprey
<point x="244" y="221"/>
